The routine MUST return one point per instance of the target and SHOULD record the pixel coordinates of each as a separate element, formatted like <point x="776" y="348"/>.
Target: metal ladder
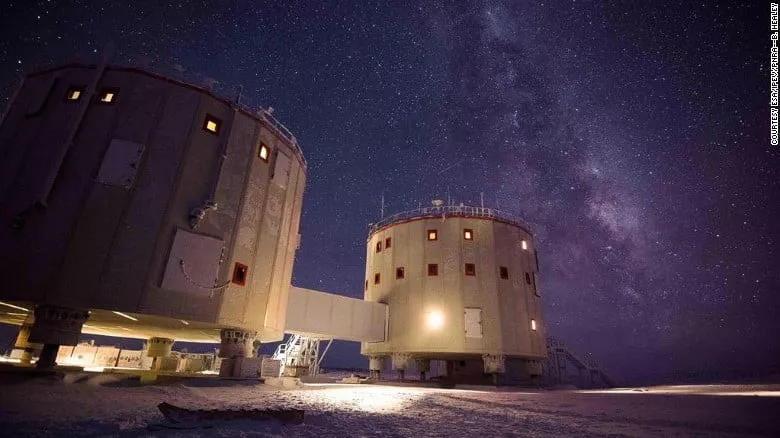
<point x="300" y="350"/>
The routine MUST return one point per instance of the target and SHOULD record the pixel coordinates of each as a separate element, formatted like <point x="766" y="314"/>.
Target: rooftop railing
<point x="446" y="211"/>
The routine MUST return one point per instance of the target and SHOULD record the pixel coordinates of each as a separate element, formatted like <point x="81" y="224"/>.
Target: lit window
<point x="399" y="273"/>
<point x="379" y="246"/>
<point x="468" y="234"/>
<point x="239" y="274"/>
<point x="433" y="235"/>
<point x="528" y="278"/>
<point x="533" y="324"/>
<point x="433" y="269"/>
<point x="471" y="270"/>
<point x="74" y="94"/>
<point x="524" y="245"/>
<point x="212" y="124"/>
<point x="388" y="241"/>
<point x="376" y="278"/>
<point x="108" y="96"/>
<point x="264" y="152"/>
<point x="504" y="272"/>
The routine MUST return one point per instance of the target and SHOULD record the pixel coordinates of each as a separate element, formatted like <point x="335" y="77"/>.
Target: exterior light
<point x="14" y="307"/>
<point x="124" y="315"/>
<point x="435" y="320"/>
<point x="184" y="322"/>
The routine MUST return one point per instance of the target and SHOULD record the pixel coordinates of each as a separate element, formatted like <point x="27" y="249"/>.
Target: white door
<point x="473" y="319"/>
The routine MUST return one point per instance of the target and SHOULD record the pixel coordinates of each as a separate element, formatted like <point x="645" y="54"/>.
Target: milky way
<point x="633" y="138"/>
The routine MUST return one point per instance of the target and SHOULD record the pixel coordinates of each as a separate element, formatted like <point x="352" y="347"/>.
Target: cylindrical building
<point x="461" y="285"/>
<point x="157" y="207"/>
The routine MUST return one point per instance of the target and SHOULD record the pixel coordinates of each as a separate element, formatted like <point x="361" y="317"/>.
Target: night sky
<point x="632" y="136"/>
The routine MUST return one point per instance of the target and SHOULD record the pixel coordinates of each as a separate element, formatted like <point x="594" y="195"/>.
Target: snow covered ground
<point x="102" y="406"/>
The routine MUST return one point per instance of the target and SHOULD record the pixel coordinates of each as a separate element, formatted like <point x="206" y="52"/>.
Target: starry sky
<point x="632" y="136"/>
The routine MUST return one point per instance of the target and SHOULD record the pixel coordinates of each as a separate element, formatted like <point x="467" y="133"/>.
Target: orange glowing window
<point x="263" y="153"/>
<point x="108" y="95"/>
<point x="433" y="269"/>
<point x="74" y="94"/>
<point x="433" y="235"/>
<point x="533" y="324"/>
<point x="468" y="234"/>
<point x="212" y="124"/>
<point x="524" y="245"/>
<point x="471" y="270"/>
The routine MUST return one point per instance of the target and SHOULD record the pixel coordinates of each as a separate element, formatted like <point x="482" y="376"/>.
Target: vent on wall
<point x="281" y="170"/>
<point x="120" y="163"/>
<point x="193" y="263"/>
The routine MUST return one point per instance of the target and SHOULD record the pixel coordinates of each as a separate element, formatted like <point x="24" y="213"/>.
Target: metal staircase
<point x="559" y="354"/>
<point x="300" y="353"/>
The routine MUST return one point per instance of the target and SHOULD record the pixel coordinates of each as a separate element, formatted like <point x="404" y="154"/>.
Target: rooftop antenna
<point x="449" y="200"/>
<point x="382" y="211"/>
<point x="482" y="199"/>
<point x="238" y="96"/>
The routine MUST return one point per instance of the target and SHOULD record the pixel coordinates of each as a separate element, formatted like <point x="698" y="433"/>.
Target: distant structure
<point x="136" y="205"/>
<point x="461" y="286"/>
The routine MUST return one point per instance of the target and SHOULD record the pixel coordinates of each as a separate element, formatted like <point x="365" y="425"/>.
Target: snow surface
<point x="103" y="405"/>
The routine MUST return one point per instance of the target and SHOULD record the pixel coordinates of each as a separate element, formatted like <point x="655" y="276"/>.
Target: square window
<point x="399" y="273"/>
<point x="504" y="272"/>
<point x="263" y="153"/>
<point x="388" y="241"/>
<point x="376" y="278"/>
<point x="471" y="270"/>
<point x="468" y="234"/>
<point x="433" y="235"/>
<point x="524" y="245"/>
<point x="212" y="124"/>
<point x="379" y="246"/>
<point x="74" y="94"/>
<point x="108" y="96"/>
<point x="533" y="324"/>
<point x="433" y="269"/>
<point x="239" y="274"/>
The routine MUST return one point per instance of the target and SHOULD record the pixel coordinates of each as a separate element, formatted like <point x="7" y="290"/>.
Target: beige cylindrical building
<point x="461" y="285"/>
<point x="149" y="207"/>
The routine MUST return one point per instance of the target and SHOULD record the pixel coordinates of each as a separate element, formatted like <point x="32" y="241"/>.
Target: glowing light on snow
<point x="385" y="399"/>
<point x="435" y="319"/>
